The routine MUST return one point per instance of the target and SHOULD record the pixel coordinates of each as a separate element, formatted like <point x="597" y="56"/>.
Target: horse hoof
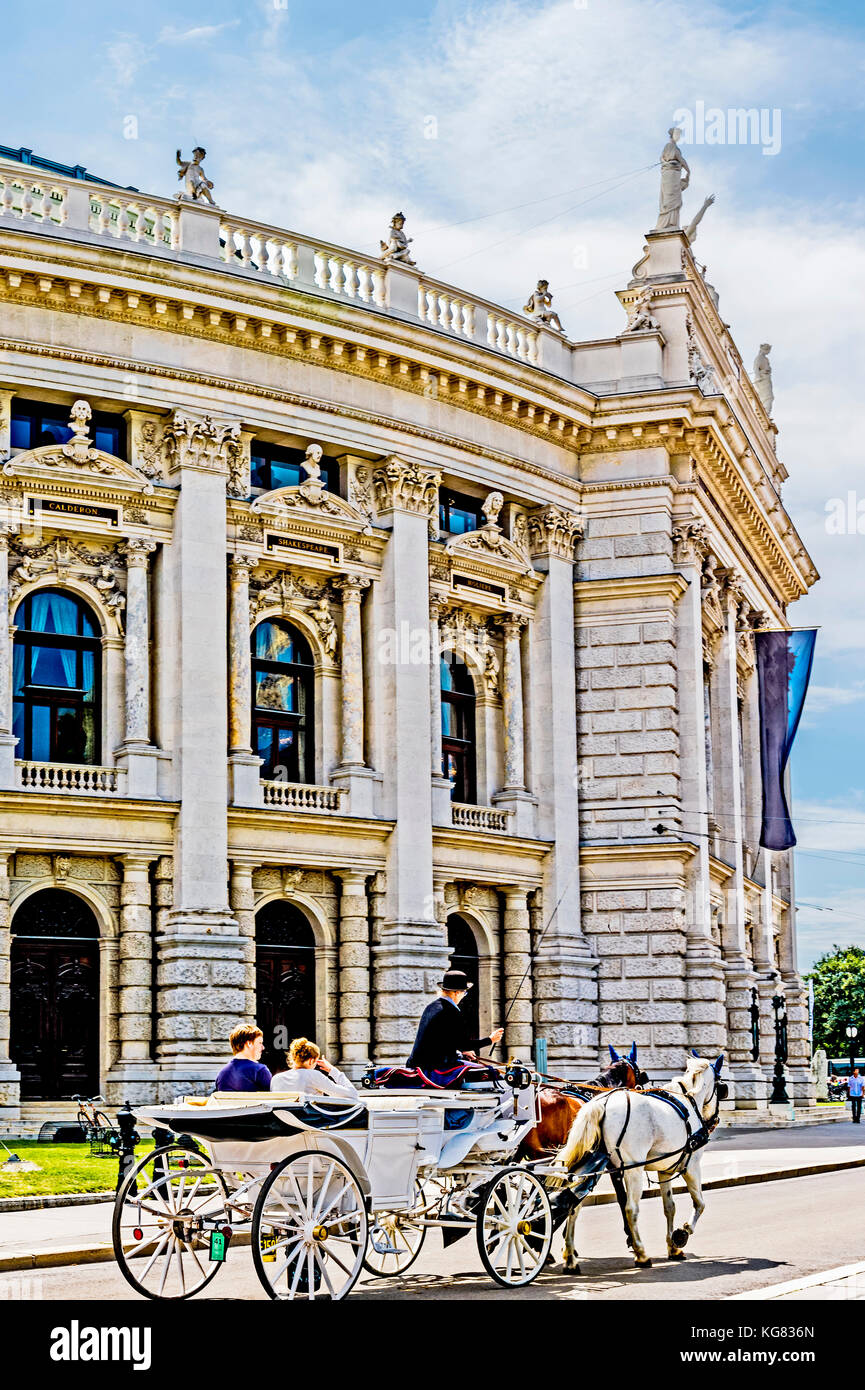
<point x="643" y="1264"/>
<point x="571" y="1269"/>
<point x="676" y="1255"/>
<point x="680" y="1238"/>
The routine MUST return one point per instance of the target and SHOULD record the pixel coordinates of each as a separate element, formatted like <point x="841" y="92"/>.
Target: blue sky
<point x="317" y="117"/>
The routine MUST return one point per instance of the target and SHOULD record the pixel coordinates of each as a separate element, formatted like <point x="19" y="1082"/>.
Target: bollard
<point x="129" y="1137"/>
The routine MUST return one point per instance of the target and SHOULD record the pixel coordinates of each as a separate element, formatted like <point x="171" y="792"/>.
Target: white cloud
<point x="831" y="826"/>
<point x="171" y="34"/>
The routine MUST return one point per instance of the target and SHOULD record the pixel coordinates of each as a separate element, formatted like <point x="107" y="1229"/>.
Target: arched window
<point x="463" y="955"/>
<point x="285" y="978"/>
<point x="458" y="728"/>
<point x="283" y="715"/>
<point x="56" y="679"/>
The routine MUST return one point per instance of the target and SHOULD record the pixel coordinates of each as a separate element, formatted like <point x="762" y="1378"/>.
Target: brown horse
<point x="559" y="1108"/>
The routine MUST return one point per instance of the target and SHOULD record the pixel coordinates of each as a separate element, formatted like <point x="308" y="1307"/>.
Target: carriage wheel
<point x="164" y="1214"/>
<point x="309" y="1229"/>
<point x="395" y="1240"/>
<point x="514" y="1227"/>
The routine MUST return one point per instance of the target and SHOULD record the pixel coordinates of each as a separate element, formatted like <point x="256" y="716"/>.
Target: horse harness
<point x="697" y="1138"/>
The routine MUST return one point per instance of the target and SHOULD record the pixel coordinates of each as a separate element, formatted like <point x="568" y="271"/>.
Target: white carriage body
<point x="389" y="1139"/>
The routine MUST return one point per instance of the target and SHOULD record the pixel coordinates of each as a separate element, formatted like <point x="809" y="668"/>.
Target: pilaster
<point x="10" y="1077"/>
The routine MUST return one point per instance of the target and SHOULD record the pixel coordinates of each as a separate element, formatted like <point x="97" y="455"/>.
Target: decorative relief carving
<point x="149" y="450"/>
<point x="690" y="542"/>
<point x="490" y="541"/>
<point x="554" y="531"/>
<point x="407" y="487"/>
<point x="202" y="442"/>
<point x="312" y="496"/>
<point x="60" y="558"/>
<point x="360" y="490"/>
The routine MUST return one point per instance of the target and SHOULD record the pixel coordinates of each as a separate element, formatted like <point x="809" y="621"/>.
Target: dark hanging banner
<point x="784" y="668"/>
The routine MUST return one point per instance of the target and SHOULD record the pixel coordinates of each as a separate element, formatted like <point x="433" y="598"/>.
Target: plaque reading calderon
<point x="60" y="506"/>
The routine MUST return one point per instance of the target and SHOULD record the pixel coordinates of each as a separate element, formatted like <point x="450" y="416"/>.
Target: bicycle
<point x="99" y="1132"/>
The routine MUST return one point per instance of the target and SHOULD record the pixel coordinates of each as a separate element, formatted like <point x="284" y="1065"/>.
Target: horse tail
<point x="585" y="1132"/>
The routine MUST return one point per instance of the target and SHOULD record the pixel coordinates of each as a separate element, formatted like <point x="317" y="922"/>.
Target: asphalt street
<point x="749" y="1239"/>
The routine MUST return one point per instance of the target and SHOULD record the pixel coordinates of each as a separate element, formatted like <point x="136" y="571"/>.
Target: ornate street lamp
<point x="779" y="1088"/>
<point x="852" y="1033"/>
<point x="754" y="1011"/>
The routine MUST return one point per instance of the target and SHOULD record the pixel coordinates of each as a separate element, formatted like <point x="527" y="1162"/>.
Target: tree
<point x="839" y="999"/>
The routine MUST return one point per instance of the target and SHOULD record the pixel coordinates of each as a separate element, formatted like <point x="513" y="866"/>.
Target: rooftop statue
<point x="691" y="229"/>
<point x="763" y="378"/>
<point x="196" y="184"/>
<point x="641" y="317"/>
<point x="539" y="307"/>
<point x="675" y="177"/>
<point x="395" y="249"/>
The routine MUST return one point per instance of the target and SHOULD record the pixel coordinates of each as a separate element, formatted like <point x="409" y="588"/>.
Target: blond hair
<point x="302" y="1050"/>
<point x="246" y="1033"/>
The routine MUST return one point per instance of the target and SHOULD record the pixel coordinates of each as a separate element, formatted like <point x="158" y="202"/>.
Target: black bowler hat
<point x="456" y="979"/>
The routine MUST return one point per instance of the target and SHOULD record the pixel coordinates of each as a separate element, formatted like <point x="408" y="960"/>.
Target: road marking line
<point x="807" y="1281"/>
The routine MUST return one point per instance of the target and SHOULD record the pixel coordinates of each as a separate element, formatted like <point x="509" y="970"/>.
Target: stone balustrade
<point x="297" y="796"/>
<point x="480" y="818"/>
<point x="68" y="777"/>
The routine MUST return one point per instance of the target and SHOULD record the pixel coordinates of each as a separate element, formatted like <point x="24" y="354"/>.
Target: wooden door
<point x="55" y="1017"/>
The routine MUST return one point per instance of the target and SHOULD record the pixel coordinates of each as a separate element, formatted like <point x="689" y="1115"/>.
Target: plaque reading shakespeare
<point x="327" y="552"/>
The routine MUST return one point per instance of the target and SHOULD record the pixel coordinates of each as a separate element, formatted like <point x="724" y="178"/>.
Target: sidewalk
<point x="82" y="1234"/>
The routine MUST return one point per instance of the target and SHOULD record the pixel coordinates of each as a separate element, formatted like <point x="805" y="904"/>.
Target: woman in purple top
<point x="245" y="1072"/>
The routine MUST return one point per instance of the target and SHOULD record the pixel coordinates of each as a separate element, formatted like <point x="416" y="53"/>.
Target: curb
<point x="96" y="1254"/>
<point x="37" y="1202"/>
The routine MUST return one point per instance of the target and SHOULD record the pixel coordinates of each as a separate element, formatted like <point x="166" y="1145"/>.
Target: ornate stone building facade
<point x="349" y="624"/>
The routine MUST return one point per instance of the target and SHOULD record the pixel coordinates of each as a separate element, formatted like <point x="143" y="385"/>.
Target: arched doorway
<point x="463" y="951"/>
<point x="284" y="977"/>
<point x="55" y="996"/>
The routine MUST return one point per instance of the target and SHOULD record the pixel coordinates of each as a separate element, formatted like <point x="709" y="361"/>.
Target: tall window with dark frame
<point x="283" y="680"/>
<point x="458" y="729"/>
<point x="272" y="466"/>
<point x="459" y="513"/>
<point x="56" y="679"/>
<point x="35" y="423"/>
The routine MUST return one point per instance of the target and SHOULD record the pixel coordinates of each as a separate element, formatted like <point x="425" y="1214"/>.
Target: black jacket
<point x="441" y="1036"/>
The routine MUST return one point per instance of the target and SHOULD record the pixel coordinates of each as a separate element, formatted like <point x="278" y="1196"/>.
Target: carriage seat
<point x="467" y="1075"/>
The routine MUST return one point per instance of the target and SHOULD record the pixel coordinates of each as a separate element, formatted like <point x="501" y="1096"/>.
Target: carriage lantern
<point x="754" y="1011"/>
<point x="779" y="1089"/>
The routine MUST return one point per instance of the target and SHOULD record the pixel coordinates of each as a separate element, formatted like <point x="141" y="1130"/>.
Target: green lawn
<point x="65" y="1168"/>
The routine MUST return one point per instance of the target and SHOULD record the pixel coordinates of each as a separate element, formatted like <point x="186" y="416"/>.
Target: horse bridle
<point x="694" y="1140"/>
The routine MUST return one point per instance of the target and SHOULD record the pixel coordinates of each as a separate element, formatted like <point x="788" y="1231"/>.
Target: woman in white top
<point x="312" y="1074"/>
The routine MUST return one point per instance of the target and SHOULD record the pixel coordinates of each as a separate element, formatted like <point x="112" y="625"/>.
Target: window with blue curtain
<point x="283" y="721"/>
<point x="459" y="759"/>
<point x="56" y="679"/>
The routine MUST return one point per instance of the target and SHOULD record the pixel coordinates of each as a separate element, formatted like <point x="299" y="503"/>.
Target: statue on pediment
<point x="641" y="319"/>
<point x="395" y="249"/>
<point x="78" y="454"/>
<point x="763" y="378"/>
<point x="196" y="184"/>
<point x="675" y="177"/>
<point x="539" y="307"/>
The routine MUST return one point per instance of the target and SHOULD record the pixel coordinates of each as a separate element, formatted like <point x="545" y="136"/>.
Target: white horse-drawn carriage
<point x="323" y="1188"/>
<point x="327" y="1187"/>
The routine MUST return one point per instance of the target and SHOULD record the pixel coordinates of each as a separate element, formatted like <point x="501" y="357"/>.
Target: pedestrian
<point x="854" y="1091"/>
<point x="245" y="1071"/>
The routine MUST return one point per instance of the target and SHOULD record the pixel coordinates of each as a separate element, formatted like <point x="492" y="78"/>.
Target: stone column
<point x="241" y="896"/>
<point x="705" y="1011"/>
<point x="354" y="1000"/>
<point x="352" y="772"/>
<point x="518" y="974"/>
<point x="133" y="1075"/>
<point x="441" y="788"/>
<point x="10" y="1077"/>
<point x="800" y="1079"/>
<point x="513" y="795"/>
<point x="136" y="753"/>
<point x="202" y="969"/>
<point x="565" y="967"/>
<point x="750" y="1084"/>
<point x="243" y="764"/>
<point x="7" y="739"/>
<point x="411" y="952"/>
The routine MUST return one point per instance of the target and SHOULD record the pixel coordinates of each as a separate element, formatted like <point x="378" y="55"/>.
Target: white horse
<point x="641" y="1132"/>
